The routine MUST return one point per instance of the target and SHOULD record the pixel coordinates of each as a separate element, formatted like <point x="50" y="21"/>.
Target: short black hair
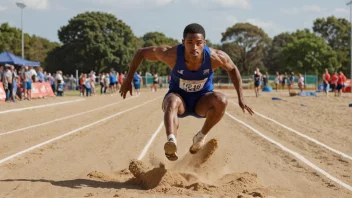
<point x="193" y="28"/>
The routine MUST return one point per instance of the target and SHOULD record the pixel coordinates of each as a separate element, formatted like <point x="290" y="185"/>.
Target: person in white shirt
<point x="277" y="80"/>
<point x="101" y="80"/>
<point x="88" y="83"/>
<point x="33" y="74"/>
<point x="300" y="82"/>
<point x="60" y="83"/>
<point x="28" y="83"/>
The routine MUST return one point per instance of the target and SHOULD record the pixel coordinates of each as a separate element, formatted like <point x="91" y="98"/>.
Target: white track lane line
<point x="67" y="117"/>
<point x="302" y="135"/>
<point x="40" y="106"/>
<point x="71" y="132"/>
<point x="297" y="155"/>
<point x="144" y="151"/>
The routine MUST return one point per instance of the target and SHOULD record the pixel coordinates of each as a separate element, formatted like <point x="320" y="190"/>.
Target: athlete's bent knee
<point x="221" y="100"/>
<point x="171" y="104"/>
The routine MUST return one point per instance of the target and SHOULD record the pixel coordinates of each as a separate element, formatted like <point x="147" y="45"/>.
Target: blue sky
<point x="45" y="17"/>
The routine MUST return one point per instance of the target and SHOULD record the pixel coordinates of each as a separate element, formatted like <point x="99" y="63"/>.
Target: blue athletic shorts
<point x="137" y="85"/>
<point x="326" y="87"/>
<point x="190" y="100"/>
<point x="28" y="85"/>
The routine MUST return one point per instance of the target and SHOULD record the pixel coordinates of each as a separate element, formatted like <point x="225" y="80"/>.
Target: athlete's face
<point x="194" y="45"/>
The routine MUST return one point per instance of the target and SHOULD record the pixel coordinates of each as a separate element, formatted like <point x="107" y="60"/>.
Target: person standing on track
<point x="340" y="83"/>
<point x="256" y="83"/>
<point x="326" y="79"/>
<point x="137" y="79"/>
<point x="191" y="93"/>
<point x="277" y="80"/>
<point x="333" y="83"/>
<point x="155" y="82"/>
<point x="300" y="82"/>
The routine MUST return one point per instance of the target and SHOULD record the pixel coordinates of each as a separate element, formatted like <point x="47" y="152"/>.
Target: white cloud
<point x="311" y="8"/>
<point x="2" y="8"/>
<point x="33" y="4"/>
<point x="305" y="8"/>
<point x="261" y="23"/>
<point x="267" y="26"/>
<point x="234" y="3"/>
<point x="341" y="11"/>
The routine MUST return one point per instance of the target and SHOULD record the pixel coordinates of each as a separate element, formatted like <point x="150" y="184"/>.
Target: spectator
<point x="106" y="82"/>
<point x="277" y="80"/>
<point x="340" y="82"/>
<point x="33" y="74"/>
<point x="300" y="82"/>
<point x="101" y="81"/>
<point x="40" y="75"/>
<point x="283" y="82"/>
<point x="333" y="83"/>
<point x="71" y="83"/>
<point x="265" y="79"/>
<point x="291" y="81"/>
<point x="88" y="84"/>
<point x="8" y="83"/>
<point x="326" y="79"/>
<point x="59" y="83"/>
<point x="27" y="83"/>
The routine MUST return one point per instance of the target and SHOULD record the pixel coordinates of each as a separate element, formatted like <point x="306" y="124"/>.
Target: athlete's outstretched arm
<point x="152" y="53"/>
<point x="226" y="63"/>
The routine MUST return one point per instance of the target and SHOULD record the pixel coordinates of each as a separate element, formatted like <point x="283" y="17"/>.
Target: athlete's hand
<point x="244" y="107"/>
<point x="125" y="87"/>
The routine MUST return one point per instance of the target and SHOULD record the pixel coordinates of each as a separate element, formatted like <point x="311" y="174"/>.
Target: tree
<point x="251" y="44"/>
<point x="36" y="48"/>
<point x="274" y="59"/>
<point x="94" y="41"/>
<point x="156" y="39"/>
<point x="336" y="32"/>
<point x="308" y="54"/>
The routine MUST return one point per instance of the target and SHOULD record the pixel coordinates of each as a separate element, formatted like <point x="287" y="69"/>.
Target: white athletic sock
<point x="173" y="137"/>
<point x="200" y="134"/>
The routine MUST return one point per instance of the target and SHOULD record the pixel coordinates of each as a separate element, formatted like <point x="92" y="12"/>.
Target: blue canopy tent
<point x="9" y="58"/>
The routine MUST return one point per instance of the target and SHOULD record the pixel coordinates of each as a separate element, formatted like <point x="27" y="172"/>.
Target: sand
<point x="100" y="161"/>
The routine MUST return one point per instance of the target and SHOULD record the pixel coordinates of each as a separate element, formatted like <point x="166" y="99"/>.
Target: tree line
<point x="99" y="41"/>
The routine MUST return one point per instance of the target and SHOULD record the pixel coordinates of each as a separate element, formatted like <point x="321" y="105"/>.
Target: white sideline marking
<point x="305" y="136"/>
<point x="40" y="106"/>
<point x="45" y="123"/>
<point x="297" y="155"/>
<point x="150" y="141"/>
<point x="71" y="132"/>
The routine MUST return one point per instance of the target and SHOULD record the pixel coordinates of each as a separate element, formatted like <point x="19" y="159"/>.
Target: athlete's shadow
<point x="80" y="183"/>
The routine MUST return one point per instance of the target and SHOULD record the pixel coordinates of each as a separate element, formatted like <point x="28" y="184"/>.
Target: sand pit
<point x="161" y="180"/>
<point x="191" y="176"/>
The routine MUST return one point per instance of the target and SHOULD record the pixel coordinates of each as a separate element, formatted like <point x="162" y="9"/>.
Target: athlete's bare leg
<point x="212" y="105"/>
<point x="172" y="105"/>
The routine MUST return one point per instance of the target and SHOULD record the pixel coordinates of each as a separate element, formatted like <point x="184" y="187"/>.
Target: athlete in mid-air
<point x="192" y="65"/>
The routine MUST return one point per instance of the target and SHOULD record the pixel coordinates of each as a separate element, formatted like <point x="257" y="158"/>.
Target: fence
<point x="311" y="81"/>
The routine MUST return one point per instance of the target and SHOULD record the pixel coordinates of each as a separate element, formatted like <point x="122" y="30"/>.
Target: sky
<point x="45" y="17"/>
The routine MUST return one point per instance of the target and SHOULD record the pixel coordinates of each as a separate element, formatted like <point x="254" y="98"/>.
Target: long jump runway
<point x="92" y="148"/>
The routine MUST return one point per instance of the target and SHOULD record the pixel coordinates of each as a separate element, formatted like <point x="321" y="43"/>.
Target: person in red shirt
<point x="333" y="83"/>
<point x="326" y="79"/>
<point x="340" y="82"/>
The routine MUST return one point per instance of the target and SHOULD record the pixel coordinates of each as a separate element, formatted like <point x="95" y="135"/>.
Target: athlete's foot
<point x="170" y="149"/>
<point x="198" y="142"/>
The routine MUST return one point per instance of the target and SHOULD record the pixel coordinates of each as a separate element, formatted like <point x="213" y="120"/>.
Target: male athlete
<point x="192" y="65"/>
